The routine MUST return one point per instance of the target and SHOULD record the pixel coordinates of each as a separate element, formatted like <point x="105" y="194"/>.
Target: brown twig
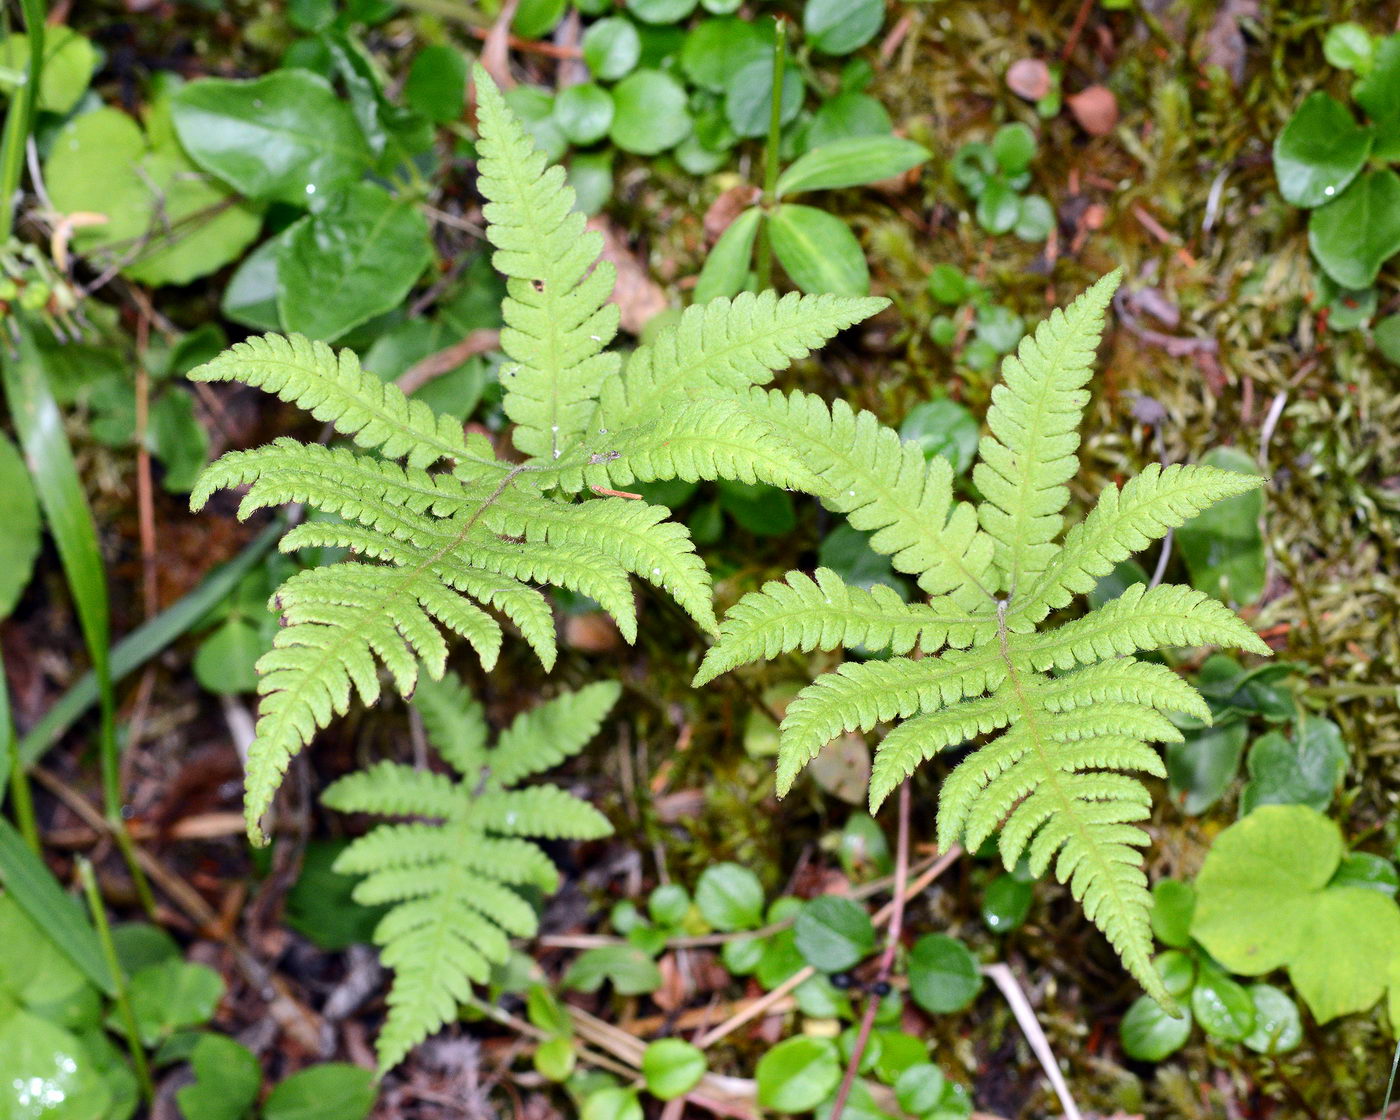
<point x="886" y="966"/>
<point x="447" y="359"/>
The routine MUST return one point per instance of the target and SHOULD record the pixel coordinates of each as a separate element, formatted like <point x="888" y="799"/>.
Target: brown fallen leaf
<point x="1028" y="78"/>
<point x="1096" y="110"/>
<point x="727" y="207"/>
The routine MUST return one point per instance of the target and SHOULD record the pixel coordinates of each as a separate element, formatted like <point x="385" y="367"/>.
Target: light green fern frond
<point x="451" y="873"/>
<point x="1053" y="755"/>
<point x="558" y="318"/>
<point x="333" y="387"/>
<point x="827" y="613"/>
<point x="1029" y="455"/>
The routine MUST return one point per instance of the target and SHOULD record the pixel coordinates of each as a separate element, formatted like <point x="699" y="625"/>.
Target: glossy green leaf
<point x="726" y="269"/>
<point x="748" y="97"/>
<point x="847" y="114"/>
<point x="661" y="11"/>
<point x="47" y="1072"/>
<point x="611" y="48"/>
<point x="535" y="109"/>
<point x="1013" y="147"/>
<point x="847" y="552"/>
<point x="1222" y="1007"/>
<point x="1005" y="903"/>
<point x="1302" y="769"/>
<point x="173" y="994"/>
<point x="716" y="49"/>
<point x="1320" y="151"/>
<point x="1368" y="870"/>
<point x="650" y="113"/>
<point x="285" y="136"/>
<point x="943" y="428"/>
<point x="818" y="251"/>
<point x="1378" y="93"/>
<point x="1278" y="1027"/>
<point x="1037" y="218"/>
<point x="730" y="897"/>
<point x="841" y="26"/>
<point x="919" y="1089"/>
<point x="354" y="260"/>
<point x="329" y="1091"/>
<point x="998" y="207"/>
<point x="1355" y="234"/>
<point x="1173" y="905"/>
<point x="1178" y="972"/>
<point x="612" y="1104"/>
<point x="797" y="1074"/>
<point x="69" y="61"/>
<point x="1349" y="46"/>
<point x="436" y="85"/>
<point x="1223" y="546"/>
<point x="226" y="1080"/>
<point x="536" y="18"/>
<point x="943" y="974"/>
<point x="834" y="934"/>
<point x="1149" y="1034"/>
<point x="672" y="1068"/>
<point x="556" y="1058"/>
<point x="850" y="163"/>
<point x="1201" y="767"/>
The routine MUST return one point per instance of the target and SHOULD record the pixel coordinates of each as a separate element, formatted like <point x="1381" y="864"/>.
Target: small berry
<point x="841" y="981"/>
<point x="880" y="989"/>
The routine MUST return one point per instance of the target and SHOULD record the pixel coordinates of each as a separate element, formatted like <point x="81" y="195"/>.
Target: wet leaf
<point x="1320" y="151"/>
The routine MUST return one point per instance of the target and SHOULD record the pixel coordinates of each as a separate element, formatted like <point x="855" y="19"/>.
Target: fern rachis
<point x="450" y="872"/>
<point x="1062" y="712"/>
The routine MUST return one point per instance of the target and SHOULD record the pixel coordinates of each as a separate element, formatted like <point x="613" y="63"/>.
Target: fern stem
<point x="763" y="267"/>
<point x="886" y="966"/>
<point x="123" y="1001"/>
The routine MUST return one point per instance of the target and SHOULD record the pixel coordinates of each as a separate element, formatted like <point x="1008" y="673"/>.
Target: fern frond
<point x="724" y="346"/>
<point x="636" y="535"/>
<point x="1139" y="619"/>
<point x="333" y="387"/>
<point x="451" y="879"/>
<point x="857" y="696"/>
<point x="1029" y="455"/>
<point x="1126" y="521"/>
<point x="558" y="316"/>
<point x="918" y="739"/>
<point x="544" y="736"/>
<point x="886" y="487"/>
<point x="454" y="722"/>
<point x="827" y="613"/>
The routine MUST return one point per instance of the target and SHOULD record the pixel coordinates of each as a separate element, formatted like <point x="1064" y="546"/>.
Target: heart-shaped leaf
<point x="1358" y="232"/>
<point x="1320" y="151"/>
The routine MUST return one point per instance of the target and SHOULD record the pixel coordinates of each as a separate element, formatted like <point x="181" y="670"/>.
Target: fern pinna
<point x="451" y="873"/>
<point x="444" y="533"/>
<point x="1064" y="710"/>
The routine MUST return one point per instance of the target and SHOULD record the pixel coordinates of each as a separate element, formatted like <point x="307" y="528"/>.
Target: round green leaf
<point x="999" y="327"/>
<point x="834" y="934"/>
<point x="1173" y="904"/>
<point x="1222" y="1007"/>
<point x="798" y="1074"/>
<point x="1223" y="546"/>
<point x="1005" y="903"/>
<point x="943" y="974"/>
<point x="436" y="85"/>
<point x="591" y="176"/>
<point x="1278" y="1027"/>
<point x="742" y="955"/>
<point x="223" y="663"/>
<point x="717" y="48"/>
<point x="611" y="48"/>
<point x="1204" y="765"/>
<point x="1367" y="870"/>
<point x="1302" y="770"/>
<point x="1149" y="1034"/>
<point x="1349" y="46"/>
<point x="1178" y="972"/>
<point x="730" y="897"/>
<point x="1013" y="147"/>
<point x="998" y="207"/>
<point x="1387" y="337"/>
<point x="1355" y="234"/>
<point x="672" y="1068"/>
<point x="536" y="18"/>
<point x="1378" y="94"/>
<point x="841" y="26"/>
<point x="584" y="113"/>
<point x="650" y="113"/>
<point x="919" y="1088"/>
<point x="818" y="251"/>
<point x="329" y="1091"/>
<point x="227" y="1080"/>
<point x="748" y="97"/>
<point x="847" y="114"/>
<point x="661" y="11"/>
<point x="631" y="970"/>
<point x="1037" y="218"/>
<point x="555" y="1058"/>
<point x="173" y="994"/>
<point x="535" y="109"/>
<point x="612" y="1104"/>
<point x="69" y="60"/>
<point x="721" y="7"/>
<point x="898" y="1052"/>
<point x="286" y="136"/>
<point x="947" y="284"/>
<point x="1319" y="151"/>
<point x="19" y="513"/>
<point x="668" y="904"/>
<point x="943" y="428"/>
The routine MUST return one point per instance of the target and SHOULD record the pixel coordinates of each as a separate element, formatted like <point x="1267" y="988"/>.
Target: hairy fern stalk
<point x="452" y="874"/>
<point x="1062" y="711"/>
<point x="442" y="532"/>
